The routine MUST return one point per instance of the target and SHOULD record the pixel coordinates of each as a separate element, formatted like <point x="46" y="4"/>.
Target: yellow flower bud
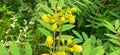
<point x="69" y="41"/>
<point x="77" y="48"/>
<point x="49" y="41"/>
<point x="54" y="54"/>
<point x="53" y="20"/>
<point x="45" y="18"/>
<point x="49" y="15"/>
<point x="71" y="49"/>
<point x="66" y="16"/>
<point x="59" y="8"/>
<point x="54" y="27"/>
<point x="71" y="19"/>
<point x="45" y="54"/>
<point x="63" y="41"/>
<point x="73" y="9"/>
<point x="61" y="53"/>
<point x="55" y="16"/>
<point x="69" y="12"/>
<point x="62" y="19"/>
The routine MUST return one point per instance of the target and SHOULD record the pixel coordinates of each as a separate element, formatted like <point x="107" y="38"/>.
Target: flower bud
<point x="69" y="41"/>
<point x="63" y="41"/>
<point x="54" y="27"/>
<point x="71" y="49"/>
<point x="71" y="19"/>
<point x="62" y="19"/>
<point x="59" y="8"/>
<point x="45" y="18"/>
<point x="73" y="9"/>
<point x="49" y="41"/>
<point x="77" y="48"/>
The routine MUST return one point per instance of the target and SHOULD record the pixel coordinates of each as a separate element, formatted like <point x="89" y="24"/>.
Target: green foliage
<point x="97" y="26"/>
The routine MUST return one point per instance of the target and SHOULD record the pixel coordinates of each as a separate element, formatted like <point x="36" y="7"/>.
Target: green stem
<point x="54" y="43"/>
<point x="66" y="6"/>
<point x="60" y="31"/>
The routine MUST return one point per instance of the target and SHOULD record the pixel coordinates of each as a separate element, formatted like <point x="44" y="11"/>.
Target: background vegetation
<point x="97" y="26"/>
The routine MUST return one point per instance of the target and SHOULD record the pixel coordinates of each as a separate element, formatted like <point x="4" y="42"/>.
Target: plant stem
<point x="54" y="42"/>
<point x="60" y="33"/>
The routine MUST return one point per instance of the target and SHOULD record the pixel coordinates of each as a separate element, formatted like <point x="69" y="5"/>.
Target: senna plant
<point x="57" y="19"/>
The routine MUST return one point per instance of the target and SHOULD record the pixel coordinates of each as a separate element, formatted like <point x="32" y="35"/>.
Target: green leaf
<point x="60" y="3"/>
<point x="78" y="35"/>
<point x="3" y="51"/>
<point x="118" y="30"/>
<point x="87" y="47"/>
<point x="109" y="26"/>
<point x="96" y="50"/>
<point x="76" y="53"/>
<point x="76" y="40"/>
<point x="44" y="31"/>
<point x="84" y="35"/>
<point x="114" y="14"/>
<point x="46" y="9"/>
<point x="99" y="42"/>
<point x="86" y="43"/>
<point x="14" y="49"/>
<point x="46" y="25"/>
<point x="117" y="52"/>
<point x="101" y="52"/>
<point x="117" y="24"/>
<point x="66" y="37"/>
<point x="111" y="36"/>
<point x="93" y="39"/>
<point x="53" y="3"/>
<point x="66" y="27"/>
<point x="28" y="49"/>
<point x="115" y="41"/>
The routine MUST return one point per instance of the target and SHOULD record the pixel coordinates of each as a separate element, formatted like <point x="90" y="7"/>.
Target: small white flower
<point x="31" y="22"/>
<point x="2" y="41"/>
<point x="25" y="35"/>
<point x="12" y="25"/>
<point x="17" y="41"/>
<point x="20" y="30"/>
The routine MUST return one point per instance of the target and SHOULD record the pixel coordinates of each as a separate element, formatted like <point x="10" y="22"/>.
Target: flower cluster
<point x="68" y="48"/>
<point x="57" y="20"/>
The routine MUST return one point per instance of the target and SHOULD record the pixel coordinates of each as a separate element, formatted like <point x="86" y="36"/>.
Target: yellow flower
<point x="45" y="54"/>
<point x="69" y="41"/>
<point x="55" y="16"/>
<point x="77" y="48"/>
<point x="53" y="20"/>
<point x="71" y="49"/>
<point x="73" y="9"/>
<point x="45" y="18"/>
<point x="62" y="19"/>
<point x="61" y="53"/>
<point x="59" y="8"/>
<point x="54" y="27"/>
<point x="71" y="19"/>
<point x="49" y="41"/>
<point x="63" y="41"/>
